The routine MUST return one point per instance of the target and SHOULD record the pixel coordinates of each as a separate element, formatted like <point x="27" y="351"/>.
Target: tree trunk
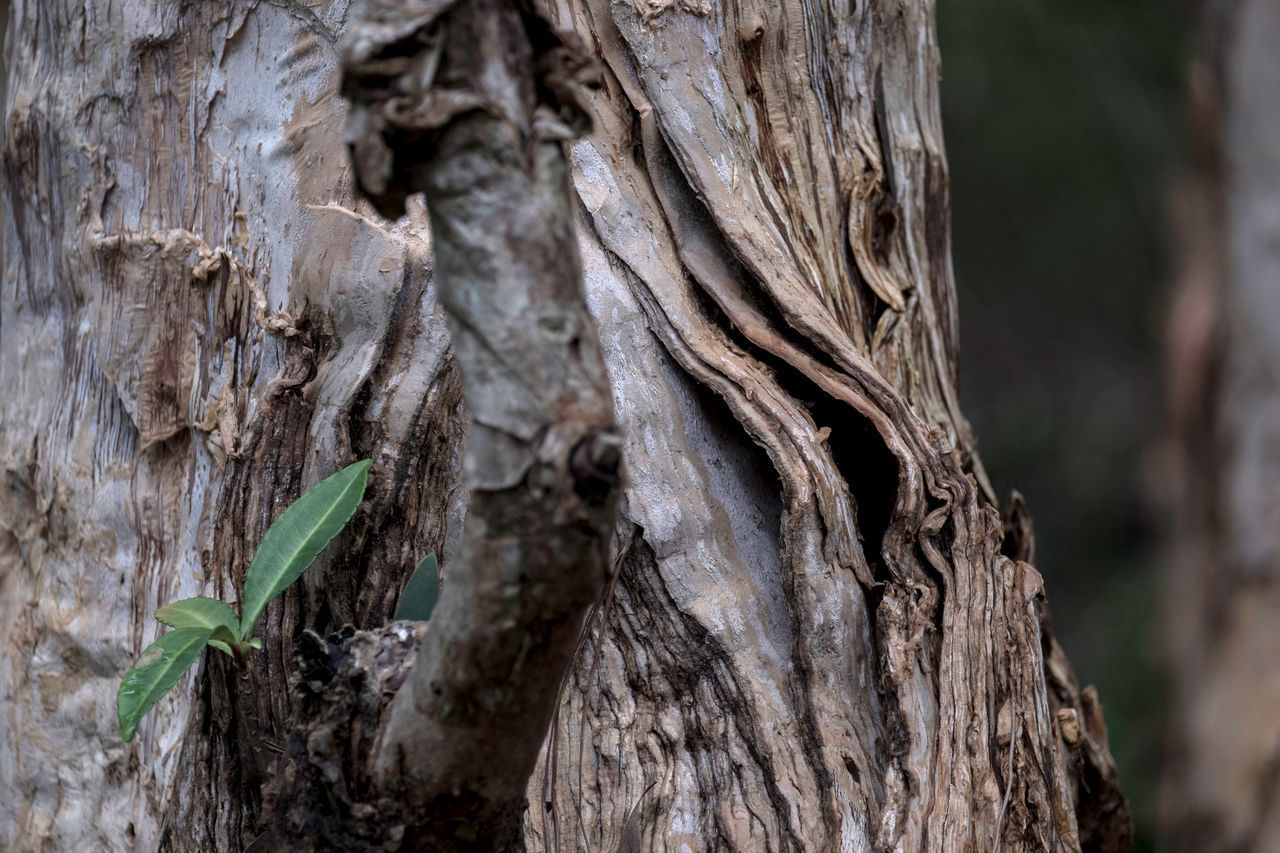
<point x="819" y="633"/>
<point x="1223" y="451"/>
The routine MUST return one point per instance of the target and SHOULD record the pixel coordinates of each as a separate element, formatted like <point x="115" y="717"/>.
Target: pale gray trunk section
<point x="1221" y="789"/>
<point x="820" y="636"/>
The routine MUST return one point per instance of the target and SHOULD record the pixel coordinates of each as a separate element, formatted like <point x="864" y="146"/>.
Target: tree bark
<point x="1223" y="602"/>
<point x="819" y="634"/>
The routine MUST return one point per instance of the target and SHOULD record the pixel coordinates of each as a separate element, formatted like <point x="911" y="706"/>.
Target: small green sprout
<point x="289" y="546"/>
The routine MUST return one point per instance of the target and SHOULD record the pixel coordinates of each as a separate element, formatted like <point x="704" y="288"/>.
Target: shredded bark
<point x="824" y="636"/>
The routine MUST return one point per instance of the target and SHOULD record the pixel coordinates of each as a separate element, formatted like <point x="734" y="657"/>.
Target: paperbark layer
<point x="819" y="636"/>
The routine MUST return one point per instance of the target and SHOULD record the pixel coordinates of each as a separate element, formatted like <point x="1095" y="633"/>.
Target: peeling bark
<point x="818" y="635"/>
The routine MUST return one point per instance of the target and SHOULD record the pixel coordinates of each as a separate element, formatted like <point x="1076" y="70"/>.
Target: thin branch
<point x="469" y="101"/>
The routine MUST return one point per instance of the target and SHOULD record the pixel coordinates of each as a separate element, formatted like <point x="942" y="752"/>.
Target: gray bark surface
<point x="1223" y="603"/>
<point x="820" y="634"/>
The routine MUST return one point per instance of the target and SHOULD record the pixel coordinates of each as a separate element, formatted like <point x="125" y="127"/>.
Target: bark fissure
<point x="816" y="643"/>
<point x="935" y="503"/>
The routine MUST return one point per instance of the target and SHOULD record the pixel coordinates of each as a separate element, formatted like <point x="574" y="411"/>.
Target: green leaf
<point x="223" y="634"/>
<point x="421" y="592"/>
<point x="223" y="638"/>
<point x="298" y="536"/>
<point x="203" y="613"/>
<point x="158" y="668"/>
<point x="199" y="613"/>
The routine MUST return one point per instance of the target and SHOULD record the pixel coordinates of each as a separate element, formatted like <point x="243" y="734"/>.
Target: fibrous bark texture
<point x="1223" y="452"/>
<point x="818" y="634"/>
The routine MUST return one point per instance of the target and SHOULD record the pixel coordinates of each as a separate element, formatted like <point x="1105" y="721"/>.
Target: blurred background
<point x="1066" y="128"/>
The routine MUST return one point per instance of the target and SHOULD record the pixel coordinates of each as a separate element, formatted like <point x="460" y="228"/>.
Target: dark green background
<point x="1065" y="129"/>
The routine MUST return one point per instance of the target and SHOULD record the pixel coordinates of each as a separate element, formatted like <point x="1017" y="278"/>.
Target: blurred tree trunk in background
<point x="1222" y="784"/>
<point x="822" y="635"/>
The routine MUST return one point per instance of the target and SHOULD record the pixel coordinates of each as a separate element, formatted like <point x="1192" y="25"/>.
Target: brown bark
<point x="449" y="102"/>
<point x="1223" y="603"/>
<point x="818" y="636"/>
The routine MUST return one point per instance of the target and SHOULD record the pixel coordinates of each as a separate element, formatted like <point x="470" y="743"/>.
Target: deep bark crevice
<point x="818" y="642"/>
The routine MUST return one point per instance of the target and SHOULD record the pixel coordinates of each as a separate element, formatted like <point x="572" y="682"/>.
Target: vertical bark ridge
<point x="192" y="304"/>
<point x="955" y="623"/>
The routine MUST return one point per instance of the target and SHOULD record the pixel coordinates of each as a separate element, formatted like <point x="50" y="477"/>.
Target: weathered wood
<point x="813" y="641"/>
